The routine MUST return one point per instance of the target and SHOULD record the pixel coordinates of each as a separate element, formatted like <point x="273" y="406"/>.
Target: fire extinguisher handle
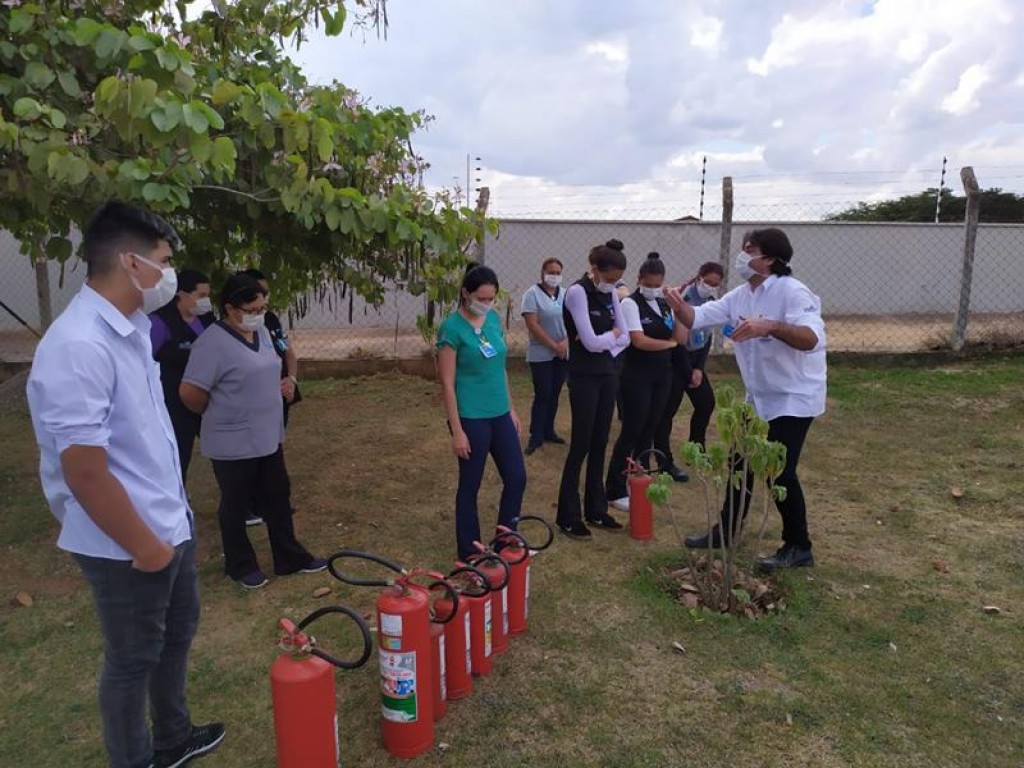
<point x="511" y="538"/>
<point x="639" y="459"/>
<point x="480" y="590"/>
<point x="364" y="630"/>
<point x="487" y="556"/>
<point x="550" y="531"/>
<point x="341" y="554"/>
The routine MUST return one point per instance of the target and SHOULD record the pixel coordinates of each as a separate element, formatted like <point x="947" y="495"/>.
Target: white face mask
<point x="704" y="290"/>
<point x="651" y="293"/>
<point x="606" y="287"/>
<point x="252" y="322"/>
<point x="480" y="308"/>
<point x="203" y="306"/>
<point x="552" y="281"/>
<point x="742" y="265"/>
<point x="160" y="294"/>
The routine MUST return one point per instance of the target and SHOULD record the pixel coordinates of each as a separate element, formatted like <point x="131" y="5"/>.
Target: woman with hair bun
<point x="646" y="376"/>
<point x="597" y="335"/>
<point x="477" y="398"/>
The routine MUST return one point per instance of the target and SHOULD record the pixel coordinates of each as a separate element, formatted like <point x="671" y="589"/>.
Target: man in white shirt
<point x="110" y="472"/>
<point x="779" y="340"/>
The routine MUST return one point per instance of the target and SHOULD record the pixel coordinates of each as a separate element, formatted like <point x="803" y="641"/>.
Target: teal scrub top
<point x="481" y="389"/>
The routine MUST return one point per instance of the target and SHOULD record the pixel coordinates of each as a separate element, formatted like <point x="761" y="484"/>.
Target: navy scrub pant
<point x="703" y="400"/>
<point x="548" y="378"/>
<point x="497" y="437"/>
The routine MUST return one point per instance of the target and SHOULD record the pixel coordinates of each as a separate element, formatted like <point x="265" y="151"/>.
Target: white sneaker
<point x="621" y="504"/>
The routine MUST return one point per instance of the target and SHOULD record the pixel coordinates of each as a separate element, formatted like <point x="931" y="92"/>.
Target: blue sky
<point x="611" y="106"/>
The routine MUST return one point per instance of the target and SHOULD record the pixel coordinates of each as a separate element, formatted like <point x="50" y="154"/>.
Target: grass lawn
<point x="882" y="659"/>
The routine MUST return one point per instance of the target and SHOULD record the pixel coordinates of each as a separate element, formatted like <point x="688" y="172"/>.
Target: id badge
<point x="487" y="350"/>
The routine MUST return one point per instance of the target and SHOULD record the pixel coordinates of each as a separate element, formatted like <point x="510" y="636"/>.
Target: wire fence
<point x="884" y="287"/>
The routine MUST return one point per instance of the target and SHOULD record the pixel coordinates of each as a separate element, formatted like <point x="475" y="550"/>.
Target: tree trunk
<point x="43" y="293"/>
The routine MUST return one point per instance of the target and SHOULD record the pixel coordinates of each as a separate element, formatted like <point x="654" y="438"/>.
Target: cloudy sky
<point x="596" y="107"/>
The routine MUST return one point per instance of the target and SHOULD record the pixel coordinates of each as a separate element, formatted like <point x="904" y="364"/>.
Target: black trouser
<point x="703" y="400"/>
<point x="643" y="402"/>
<point x="186" y="428"/>
<point x="791" y="431"/>
<point x="264" y="482"/>
<point x="548" y="378"/>
<point x="592" y="400"/>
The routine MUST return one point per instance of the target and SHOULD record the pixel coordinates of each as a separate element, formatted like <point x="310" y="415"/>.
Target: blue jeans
<point x="548" y="378"/>
<point x="498" y="438"/>
<point x="148" y="622"/>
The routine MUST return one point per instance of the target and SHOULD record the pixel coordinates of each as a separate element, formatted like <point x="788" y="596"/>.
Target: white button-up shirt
<point x="94" y="382"/>
<point x="780" y="380"/>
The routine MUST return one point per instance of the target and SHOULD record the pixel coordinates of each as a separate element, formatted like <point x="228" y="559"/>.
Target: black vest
<point x="599" y="309"/>
<point x="650" y="365"/>
<point x="173" y="355"/>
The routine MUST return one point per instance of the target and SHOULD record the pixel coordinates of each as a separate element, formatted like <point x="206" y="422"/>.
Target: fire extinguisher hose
<point x="364" y="630"/>
<point x="635" y="464"/>
<point x="490" y="556"/>
<point x="509" y="538"/>
<point x="450" y="593"/>
<point x="355" y="581"/>
<point x="533" y="545"/>
<point x="476" y="587"/>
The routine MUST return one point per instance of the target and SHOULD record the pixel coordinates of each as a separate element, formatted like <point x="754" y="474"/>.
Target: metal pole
<point x="971" y="218"/>
<point x="17" y="317"/>
<point x="942" y="183"/>
<point x="703" y="174"/>
<point x="725" y="243"/>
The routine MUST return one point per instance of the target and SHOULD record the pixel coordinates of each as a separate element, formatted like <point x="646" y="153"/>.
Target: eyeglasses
<point x="253" y="310"/>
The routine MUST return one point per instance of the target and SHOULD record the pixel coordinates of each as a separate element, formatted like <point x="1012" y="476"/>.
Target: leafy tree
<point x="195" y="110"/>
<point x="996" y="206"/>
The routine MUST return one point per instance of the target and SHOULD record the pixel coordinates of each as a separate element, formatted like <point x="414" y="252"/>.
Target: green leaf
<point x="59" y="248"/>
<point x="57" y="118"/>
<point x="109" y="43"/>
<point x="224" y="154"/>
<point x="77" y="170"/>
<point x="194" y="118"/>
<point x="69" y="84"/>
<point x="167" y="59"/>
<point x="334" y="23"/>
<point x="168" y="118"/>
<point x="20" y="22"/>
<point x="8" y="50"/>
<point x="224" y="92"/>
<point x="27" y="109"/>
<point x="107" y="91"/>
<point x="212" y="116"/>
<point x="142" y="93"/>
<point x="200" y="146"/>
<point x="86" y="31"/>
<point x="138" y="43"/>
<point x="38" y="75"/>
<point x="155" y="193"/>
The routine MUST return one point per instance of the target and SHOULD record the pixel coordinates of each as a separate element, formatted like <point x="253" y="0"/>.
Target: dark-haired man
<point x="109" y="469"/>
<point x="779" y="340"/>
<point x="175" y="326"/>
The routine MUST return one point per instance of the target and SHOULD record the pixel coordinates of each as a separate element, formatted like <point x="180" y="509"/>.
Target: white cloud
<point x="964" y="98"/>
<point x="706" y="33"/>
<point x="614" y="52"/>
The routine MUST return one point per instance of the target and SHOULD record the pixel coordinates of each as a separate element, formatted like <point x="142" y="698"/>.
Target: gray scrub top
<point x="244" y="418"/>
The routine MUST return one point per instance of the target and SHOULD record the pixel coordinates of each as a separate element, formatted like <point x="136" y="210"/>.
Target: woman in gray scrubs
<point x="233" y="380"/>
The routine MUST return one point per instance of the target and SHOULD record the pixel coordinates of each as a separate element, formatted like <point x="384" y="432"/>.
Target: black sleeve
<point x="681" y="364"/>
<point x="699" y="357"/>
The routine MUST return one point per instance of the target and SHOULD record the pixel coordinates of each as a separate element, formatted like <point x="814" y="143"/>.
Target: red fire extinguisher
<point x="641" y="513"/>
<point x="497" y="571"/>
<point x="471" y="585"/>
<point x="481" y="617"/>
<point x="405" y="652"/>
<point x="302" y="689"/>
<point x="443" y="612"/>
<point x="513" y="547"/>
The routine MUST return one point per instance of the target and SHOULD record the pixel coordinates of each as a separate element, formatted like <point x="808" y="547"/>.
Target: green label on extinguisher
<point x="398" y="686"/>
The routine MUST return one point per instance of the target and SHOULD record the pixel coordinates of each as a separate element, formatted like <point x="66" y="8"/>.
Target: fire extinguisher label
<point x="504" y="610"/>
<point x="469" y="652"/>
<point x="526" y="600"/>
<point x="398" y="686"/>
<point x="390" y="625"/>
<point x="487" y="629"/>
<point x="444" y="670"/>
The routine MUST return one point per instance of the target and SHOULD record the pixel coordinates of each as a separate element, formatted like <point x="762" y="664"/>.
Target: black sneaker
<point x="553" y="438"/>
<point x="201" y="739"/>
<point x="607" y="522"/>
<point x="576" y="530"/>
<point x="677" y="474"/>
<point x="253" y="519"/>
<point x="787" y="556"/>
<point x="531" y="446"/>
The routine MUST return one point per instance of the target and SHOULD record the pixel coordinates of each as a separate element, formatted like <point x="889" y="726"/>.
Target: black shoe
<point x="201" y="739"/>
<point x="607" y="522"/>
<point x="787" y="556"/>
<point x="575" y="530"/>
<point x="704" y="541"/>
<point x="531" y="446"/>
<point x="677" y="474"/>
<point x="553" y="438"/>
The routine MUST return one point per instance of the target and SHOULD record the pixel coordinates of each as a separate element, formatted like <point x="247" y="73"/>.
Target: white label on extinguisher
<point x="469" y="654"/>
<point x="337" y="741"/>
<point x="444" y="670"/>
<point x="398" y="686"/>
<point x="504" y="611"/>
<point x="487" y="629"/>
<point x="526" y="600"/>
<point x="390" y="625"/>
